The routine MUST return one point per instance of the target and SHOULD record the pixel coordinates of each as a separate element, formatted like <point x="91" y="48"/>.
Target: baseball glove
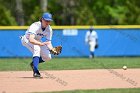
<point x="56" y="50"/>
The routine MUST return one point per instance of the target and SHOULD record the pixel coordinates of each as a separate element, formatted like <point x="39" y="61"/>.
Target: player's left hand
<point x="56" y="50"/>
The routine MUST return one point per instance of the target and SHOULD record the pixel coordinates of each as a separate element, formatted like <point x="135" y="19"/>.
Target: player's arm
<point x="97" y="45"/>
<point x="48" y="44"/>
<point x="33" y="41"/>
<point x="96" y="38"/>
<point x="86" y="38"/>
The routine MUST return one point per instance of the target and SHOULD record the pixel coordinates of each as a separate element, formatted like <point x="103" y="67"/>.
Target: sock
<point x="40" y="60"/>
<point x="35" y="63"/>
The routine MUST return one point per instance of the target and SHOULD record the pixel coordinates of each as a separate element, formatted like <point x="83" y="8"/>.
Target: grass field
<point x="22" y="64"/>
<point x="131" y="90"/>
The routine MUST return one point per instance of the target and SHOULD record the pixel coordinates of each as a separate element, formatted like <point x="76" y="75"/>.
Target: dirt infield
<point x="23" y="82"/>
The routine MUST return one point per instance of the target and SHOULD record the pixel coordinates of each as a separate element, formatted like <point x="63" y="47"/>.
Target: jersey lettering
<point x="39" y="34"/>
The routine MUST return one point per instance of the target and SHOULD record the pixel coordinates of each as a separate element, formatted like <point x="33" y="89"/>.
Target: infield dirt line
<point x="23" y="82"/>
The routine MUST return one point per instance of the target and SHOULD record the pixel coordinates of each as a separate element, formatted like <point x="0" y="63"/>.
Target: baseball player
<point x="32" y="41"/>
<point x="91" y="39"/>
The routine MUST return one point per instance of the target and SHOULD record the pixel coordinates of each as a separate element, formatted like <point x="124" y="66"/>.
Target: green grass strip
<point x="22" y="64"/>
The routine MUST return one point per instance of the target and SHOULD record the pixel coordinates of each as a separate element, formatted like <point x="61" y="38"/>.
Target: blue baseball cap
<point x="47" y="17"/>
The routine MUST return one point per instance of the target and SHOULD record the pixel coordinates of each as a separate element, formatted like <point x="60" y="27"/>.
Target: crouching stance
<point x="32" y="40"/>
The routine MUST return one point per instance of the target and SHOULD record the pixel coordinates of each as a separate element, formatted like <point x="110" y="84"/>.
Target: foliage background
<point x="71" y="12"/>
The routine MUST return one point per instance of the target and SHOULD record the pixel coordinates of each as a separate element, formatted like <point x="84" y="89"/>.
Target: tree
<point x="71" y="12"/>
<point x="19" y="12"/>
<point x="6" y="17"/>
<point x="44" y="5"/>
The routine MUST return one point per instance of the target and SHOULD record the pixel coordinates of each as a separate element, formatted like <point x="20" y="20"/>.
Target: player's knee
<point x="47" y="58"/>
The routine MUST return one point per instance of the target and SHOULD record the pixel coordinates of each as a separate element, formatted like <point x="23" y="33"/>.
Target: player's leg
<point x="41" y="60"/>
<point x="92" y="49"/>
<point x="29" y="46"/>
<point x="35" y="49"/>
<point x="36" y="57"/>
<point x="91" y="52"/>
<point x="45" y="53"/>
<point x="35" y="60"/>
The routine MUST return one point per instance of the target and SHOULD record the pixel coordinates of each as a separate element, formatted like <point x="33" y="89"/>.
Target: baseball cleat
<point x="36" y="75"/>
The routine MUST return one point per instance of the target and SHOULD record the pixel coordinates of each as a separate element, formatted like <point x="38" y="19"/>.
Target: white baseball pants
<point x="92" y="46"/>
<point x="40" y="51"/>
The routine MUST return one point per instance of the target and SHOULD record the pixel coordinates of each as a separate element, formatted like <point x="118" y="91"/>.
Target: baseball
<point x="124" y="67"/>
